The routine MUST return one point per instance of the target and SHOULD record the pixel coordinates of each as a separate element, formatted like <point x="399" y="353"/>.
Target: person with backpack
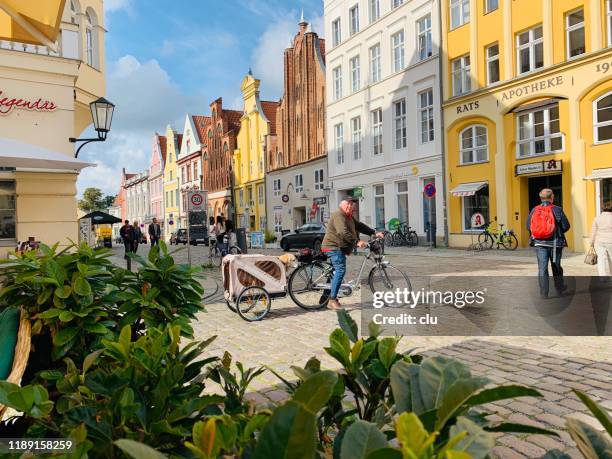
<point x="547" y="225"/>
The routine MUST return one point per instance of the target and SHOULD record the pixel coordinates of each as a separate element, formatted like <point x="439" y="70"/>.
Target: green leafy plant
<point x="269" y="237"/>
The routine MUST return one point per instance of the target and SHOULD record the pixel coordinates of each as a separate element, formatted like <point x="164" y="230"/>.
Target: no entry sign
<point x="196" y="201"/>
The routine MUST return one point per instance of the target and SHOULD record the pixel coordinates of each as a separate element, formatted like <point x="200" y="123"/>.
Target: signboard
<point x="429" y="190"/>
<point x="477" y="220"/>
<point x="257" y="240"/>
<point x="320" y="201"/>
<point x="553" y="165"/>
<point x="285" y="198"/>
<point x="85" y="230"/>
<point x="196" y="201"/>
<point x="9" y="103"/>
<point x="357" y="193"/>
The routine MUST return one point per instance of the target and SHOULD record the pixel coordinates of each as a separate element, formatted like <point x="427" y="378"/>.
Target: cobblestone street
<point x="553" y="365"/>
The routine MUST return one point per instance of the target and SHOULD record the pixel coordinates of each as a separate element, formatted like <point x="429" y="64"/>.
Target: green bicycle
<point x="499" y="236"/>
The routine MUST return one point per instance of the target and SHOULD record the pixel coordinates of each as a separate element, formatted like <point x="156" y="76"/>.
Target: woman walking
<point x="601" y="240"/>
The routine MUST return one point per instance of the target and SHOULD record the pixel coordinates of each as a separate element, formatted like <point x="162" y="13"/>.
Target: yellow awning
<point x="31" y="21"/>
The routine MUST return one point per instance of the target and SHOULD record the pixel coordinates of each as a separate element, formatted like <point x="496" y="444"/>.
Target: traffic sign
<point x="429" y="190"/>
<point x="285" y="198"/>
<point x="196" y="201"/>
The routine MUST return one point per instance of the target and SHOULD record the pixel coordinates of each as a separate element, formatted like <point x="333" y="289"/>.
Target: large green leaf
<point x="405" y="388"/>
<point x="137" y="450"/>
<point x="455" y="398"/>
<point x="340" y="344"/>
<point x="501" y="393"/>
<point x="414" y="439"/>
<point x="315" y="392"/>
<point x="600" y="413"/>
<point x="519" y="428"/>
<point x="591" y="443"/>
<point x="64" y="336"/>
<point x="386" y="351"/>
<point x="347" y="324"/>
<point x="477" y="442"/>
<point x="360" y="439"/>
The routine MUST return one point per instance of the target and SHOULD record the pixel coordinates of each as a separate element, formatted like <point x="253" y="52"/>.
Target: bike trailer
<point x="242" y="271"/>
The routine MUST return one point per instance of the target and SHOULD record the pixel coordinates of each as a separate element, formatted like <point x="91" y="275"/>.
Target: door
<point x="536" y="184"/>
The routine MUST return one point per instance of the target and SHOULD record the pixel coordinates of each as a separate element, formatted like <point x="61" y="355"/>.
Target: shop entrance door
<point x="536" y="184"/>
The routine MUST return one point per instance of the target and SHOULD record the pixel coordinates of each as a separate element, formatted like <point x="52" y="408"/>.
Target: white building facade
<point x="384" y="136"/>
<point x="137" y="199"/>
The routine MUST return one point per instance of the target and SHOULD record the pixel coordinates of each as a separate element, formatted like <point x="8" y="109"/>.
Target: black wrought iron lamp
<point x="102" y="115"/>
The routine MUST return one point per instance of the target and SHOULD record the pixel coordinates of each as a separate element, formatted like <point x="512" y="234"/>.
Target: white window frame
<point x="532" y="139"/>
<point x="428" y="112"/>
<point x="573" y="28"/>
<point x="488" y="7"/>
<point x="375" y="64"/>
<point x="398" y="51"/>
<point x="377" y="131"/>
<point x="260" y="195"/>
<point x="278" y="220"/>
<point x="355" y="68"/>
<point x="374" y="10"/>
<point x="356" y="137"/>
<point x="241" y="197"/>
<point x="609" y="21"/>
<point x="424" y="39"/>
<point x="336" y="32"/>
<point x="472" y="149"/>
<point x="354" y="19"/>
<point x="319" y="179"/>
<point x="400" y="124"/>
<point x="490" y="60"/>
<point x="396" y="3"/>
<point x="530" y="45"/>
<point x="276" y="187"/>
<point x="464" y="73"/>
<point x="299" y="183"/>
<point x="400" y="195"/>
<point x="376" y="195"/>
<point x="337" y="77"/>
<point x="89" y="40"/>
<point x="339" y="142"/>
<point x="596" y="123"/>
<point x="463" y="9"/>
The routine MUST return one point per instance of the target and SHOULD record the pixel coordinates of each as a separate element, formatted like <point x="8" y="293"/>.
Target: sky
<point x="163" y="63"/>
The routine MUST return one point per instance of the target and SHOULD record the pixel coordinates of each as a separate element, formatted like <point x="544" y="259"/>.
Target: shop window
<point x="478" y="203"/>
<point x="474" y="144"/>
<point x="400" y="123"/>
<point x="299" y="183"/>
<point x="355" y="78"/>
<point x="276" y="187"/>
<point x="492" y="53"/>
<point x="356" y="137"/>
<point x="336" y="32"/>
<point x="574" y="27"/>
<point x="426" y="115"/>
<point x="375" y="69"/>
<point x="402" y="201"/>
<point x="318" y="179"/>
<point x="459" y="12"/>
<point x="377" y="131"/>
<point x="7" y="209"/>
<point x="491" y="5"/>
<point x="339" y="141"/>
<point x="424" y="43"/>
<point x="539" y="132"/>
<point x="337" y="76"/>
<point x="397" y="45"/>
<point x="602" y="117"/>
<point x="529" y="50"/>
<point x="374" y="10"/>
<point x="354" y="20"/>
<point x="462" y="82"/>
<point x="379" y="205"/>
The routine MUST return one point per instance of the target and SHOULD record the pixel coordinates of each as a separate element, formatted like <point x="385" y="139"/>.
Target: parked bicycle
<point x="216" y="250"/>
<point x="499" y="236"/>
<point x="403" y="235"/>
<point x="310" y="283"/>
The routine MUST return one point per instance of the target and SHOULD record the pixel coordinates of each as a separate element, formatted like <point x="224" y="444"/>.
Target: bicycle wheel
<point x="253" y="303"/>
<point x="216" y="256"/>
<point x="383" y="278"/>
<point x="412" y="238"/>
<point x="230" y="305"/>
<point x="509" y="241"/>
<point x="485" y="240"/>
<point x="398" y="239"/>
<point x="302" y="285"/>
<point x="234" y="250"/>
<point x="388" y="239"/>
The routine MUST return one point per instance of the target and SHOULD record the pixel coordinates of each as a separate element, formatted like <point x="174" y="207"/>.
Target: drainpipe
<point x="441" y="78"/>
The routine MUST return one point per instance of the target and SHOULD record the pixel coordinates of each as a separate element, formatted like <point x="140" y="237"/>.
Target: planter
<point x="272" y="245"/>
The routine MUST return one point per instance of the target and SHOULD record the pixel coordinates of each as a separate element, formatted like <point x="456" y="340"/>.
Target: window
<point x="241" y="198"/>
<point x="602" y="117"/>
<point x="474" y="144"/>
<point x="318" y="179"/>
<point x="354" y="63"/>
<point x="397" y="44"/>
<point x="250" y="168"/>
<point x="89" y="39"/>
<point x="279" y="159"/>
<point x="462" y="83"/>
<point x="73" y="12"/>
<point x="167" y="202"/>
<point x="184" y="199"/>
<point x="339" y="141"/>
<point x="399" y="120"/>
<point x="374" y="10"/>
<point x="188" y="173"/>
<point x="250" y="195"/>
<point x="492" y="53"/>
<point x="170" y="175"/>
<point x="402" y="201"/>
<point x="299" y="183"/>
<point x="538" y="132"/>
<point x="491" y="5"/>
<point x="278" y="220"/>
<point x="426" y="115"/>
<point x="459" y="12"/>
<point x="530" y="50"/>
<point x="379" y="206"/>
<point x="396" y="3"/>
<point x="7" y="209"/>
<point x="478" y="203"/>
<point x="574" y="24"/>
<point x="354" y="20"/>
<point x="336" y="32"/>
<point x="377" y="131"/>
<point x="183" y="176"/>
<point x="424" y="44"/>
<point x="375" y="63"/>
<point x="356" y="137"/>
<point x="337" y="72"/>
<point x="260" y="195"/>
<point x="609" y="21"/>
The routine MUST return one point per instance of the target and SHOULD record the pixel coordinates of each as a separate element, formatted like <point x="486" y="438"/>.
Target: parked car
<point x="306" y="236"/>
<point x="179" y="237"/>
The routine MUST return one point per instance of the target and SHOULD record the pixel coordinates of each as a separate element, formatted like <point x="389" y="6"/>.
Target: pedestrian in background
<point x="220" y="228"/>
<point x="154" y="232"/>
<point x="126" y="232"/>
<point x="547" y="225"/>
<point x="601" y="240"/>
<point x="137" y="236"/>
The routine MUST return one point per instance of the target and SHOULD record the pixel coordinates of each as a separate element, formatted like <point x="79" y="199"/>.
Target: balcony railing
<point x="67" y="46"/>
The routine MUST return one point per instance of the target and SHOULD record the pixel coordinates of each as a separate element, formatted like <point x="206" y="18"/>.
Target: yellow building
<point x="52" y="67"/>
<point x="527" y="105"/>
<point x="258" y="121"/>
<point x="171" y="195"/>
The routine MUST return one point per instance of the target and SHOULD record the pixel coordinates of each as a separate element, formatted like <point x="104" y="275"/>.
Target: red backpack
<point x="543" y="222"/>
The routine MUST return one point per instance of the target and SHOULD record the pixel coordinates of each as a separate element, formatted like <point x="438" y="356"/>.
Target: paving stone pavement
<point x="553" y="365"/>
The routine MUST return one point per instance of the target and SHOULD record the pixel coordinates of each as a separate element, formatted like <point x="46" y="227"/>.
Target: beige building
<point x="45" y="92"/>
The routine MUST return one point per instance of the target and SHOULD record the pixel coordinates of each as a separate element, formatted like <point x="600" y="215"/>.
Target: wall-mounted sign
<point x="320" y="201"/>
<point x="429" y="190"/>
<point x="8" y="104"/>
<point x="477" y="220"/>
<point x="532" y="88"/>
<point x="357" y="192"/>
<point x="285" y="198"/>
<point x="463" y="108"/>
<point x="552" y="165"/>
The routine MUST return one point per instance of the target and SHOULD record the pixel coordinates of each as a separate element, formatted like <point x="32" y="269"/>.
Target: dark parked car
<point x="306" y="236"/>
<point x="180" y="237"/>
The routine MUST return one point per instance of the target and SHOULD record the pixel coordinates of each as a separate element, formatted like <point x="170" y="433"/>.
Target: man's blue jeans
<point x="545" y="256"/>
<point x="338" y="261"/>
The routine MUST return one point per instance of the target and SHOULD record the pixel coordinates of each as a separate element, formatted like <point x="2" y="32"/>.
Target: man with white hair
<point x="341" y="237"/>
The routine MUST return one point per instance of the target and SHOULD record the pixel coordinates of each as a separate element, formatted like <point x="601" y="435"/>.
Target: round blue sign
<point x="170" y="223"/>
<point x="430" y="190"/>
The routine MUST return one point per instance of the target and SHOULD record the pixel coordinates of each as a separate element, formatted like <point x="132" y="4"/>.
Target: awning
<point x="31" y="21"/>
<point x="14" y="153"/>
<point x="599" y="174"/>
<point x="98" y="218"/>
<point x="468" y="189"/>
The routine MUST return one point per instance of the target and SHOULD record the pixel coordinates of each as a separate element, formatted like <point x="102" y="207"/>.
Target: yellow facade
<point x="171" y="195"/>
<point x="249" y="160"/>
<point x="537" y="123"/>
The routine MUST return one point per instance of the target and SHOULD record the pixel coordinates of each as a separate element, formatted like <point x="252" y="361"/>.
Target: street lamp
<point x="102" y="115"/>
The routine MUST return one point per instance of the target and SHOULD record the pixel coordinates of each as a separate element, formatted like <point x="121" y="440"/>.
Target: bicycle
<point x="499" y="236"/>
<point x="216" y="250"/>
<point x="404" y="235"/>
<point x="310" y="283"/>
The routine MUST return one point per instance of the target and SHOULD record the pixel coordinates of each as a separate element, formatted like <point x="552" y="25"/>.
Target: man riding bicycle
<point x="341" y="237"/>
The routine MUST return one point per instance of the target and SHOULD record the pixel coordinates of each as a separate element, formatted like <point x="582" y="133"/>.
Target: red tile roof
<point x="201" y="124"/>
<point x="163" y="146"/>
<point x="179" y="141"/>
<point x="233" y="119"/>
<point x="269" y="109"/>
